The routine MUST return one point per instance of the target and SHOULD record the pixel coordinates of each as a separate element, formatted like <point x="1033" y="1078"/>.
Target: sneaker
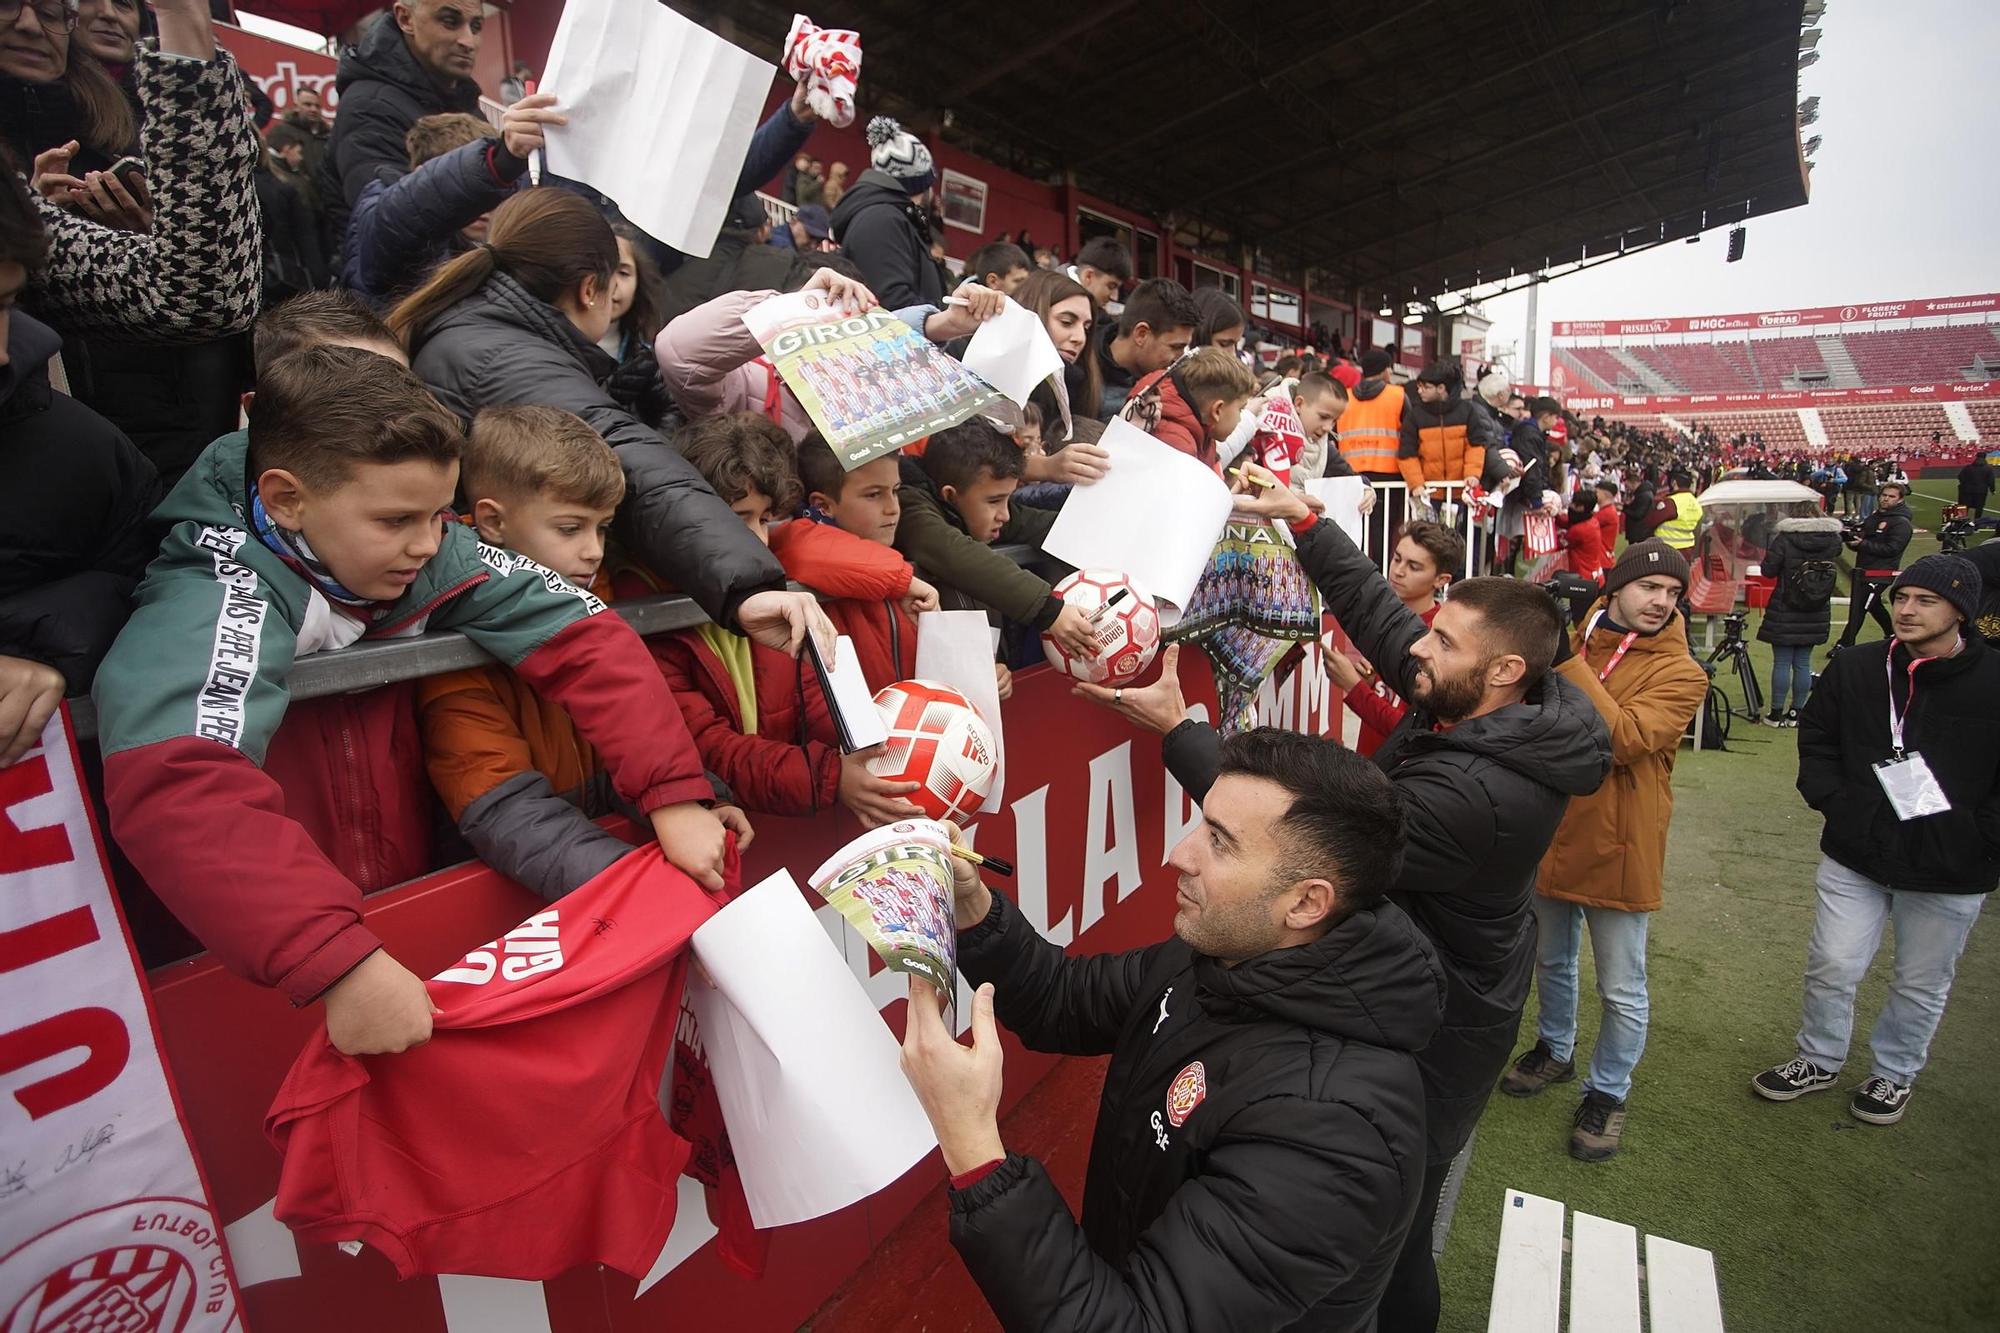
<point x="1600" y="1123"/>
<point x="1791" y="717"/>
<point x="1791" y="1080"/>
<point x="1776" y="719"/>
<point x="1879" y="1102"/>
<point x="1535" y="1070"/>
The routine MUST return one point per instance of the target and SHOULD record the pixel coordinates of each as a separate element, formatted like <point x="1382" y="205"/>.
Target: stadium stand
<point x="1781" y="430"/>
<point x="1890" y="423"/>
<point x="1986" y="418"/>
<point x="1701" y="367"/>
<point x="1916" y="356"/>
<point x="1778" y="362"/>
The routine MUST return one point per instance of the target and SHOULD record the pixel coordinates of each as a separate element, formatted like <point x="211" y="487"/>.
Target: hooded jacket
<point x="1443" y="443"/>
<point x="188" y="698"/>
<point x="1611" y="850"/>
<point x="882" y="230"/>
<point x="789" y="762"/>
<point x="407" y="223"/>
<point x="933" y="537"/>
<point x="1950" y="719"/>
<point x="1258" y="1153"/>
<point x="1161" y="407"/>
<point x="1794" y="542"/>
<point x="1589" y="541"/>
<point x="383" y="92"/>
<point x="501" y="345"/>
<point x="73" y="532"/>
<point x="1484" y="799"/>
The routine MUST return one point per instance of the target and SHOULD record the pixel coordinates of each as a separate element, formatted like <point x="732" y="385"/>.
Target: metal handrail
<point x="369" y="664"/>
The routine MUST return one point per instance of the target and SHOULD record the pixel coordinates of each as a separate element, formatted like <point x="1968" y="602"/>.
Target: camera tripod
<point x="1735" y="649"/>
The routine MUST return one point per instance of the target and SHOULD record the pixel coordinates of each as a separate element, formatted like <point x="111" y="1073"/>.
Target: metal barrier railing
<point x="1392" y="509"/>
<point x="367" y="665"/>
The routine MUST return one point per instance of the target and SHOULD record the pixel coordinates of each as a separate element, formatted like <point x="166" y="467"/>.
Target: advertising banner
<point x="1696" y="404"/>
<point x="105" y="1220"/>
<point x="1809" y="317"/>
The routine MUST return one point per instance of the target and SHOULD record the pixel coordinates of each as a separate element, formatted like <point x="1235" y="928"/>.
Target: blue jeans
<point x="1618" y="943"/>
<point x="1931" y="930"/>
<point x="1791" y="664"/>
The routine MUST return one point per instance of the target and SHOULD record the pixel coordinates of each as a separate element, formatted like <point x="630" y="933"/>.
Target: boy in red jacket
<point x="758" y="716"/>
<point x="1193" y="404"/>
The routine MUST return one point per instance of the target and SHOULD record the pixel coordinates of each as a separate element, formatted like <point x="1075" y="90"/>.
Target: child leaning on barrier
<point x="326" y="522"/>
<point x="517" y="777"/>
<point x="757" y="715"/>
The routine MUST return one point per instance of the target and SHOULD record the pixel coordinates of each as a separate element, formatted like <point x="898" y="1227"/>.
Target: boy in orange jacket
<point x="522" y="785"/>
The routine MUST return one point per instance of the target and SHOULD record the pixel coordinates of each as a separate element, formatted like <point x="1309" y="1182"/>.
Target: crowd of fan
<point x="274" y="385"/>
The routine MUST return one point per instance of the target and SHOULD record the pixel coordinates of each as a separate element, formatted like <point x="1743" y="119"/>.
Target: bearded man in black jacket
<point x="1259" y="1145"/>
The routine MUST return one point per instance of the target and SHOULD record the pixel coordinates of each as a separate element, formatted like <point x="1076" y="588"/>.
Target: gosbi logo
<point x="1189" y="1087"/>
<point x="148" y="1266"/>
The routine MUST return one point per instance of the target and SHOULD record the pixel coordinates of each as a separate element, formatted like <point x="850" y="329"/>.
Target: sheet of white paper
<point x="1012" y="352"/>
<point x="808" y="1075"/>
<point x="1342" y="497"/>
<point x="1154" y="517"/>
<point x="660" y="110"/>
<point x="955" y="648"/>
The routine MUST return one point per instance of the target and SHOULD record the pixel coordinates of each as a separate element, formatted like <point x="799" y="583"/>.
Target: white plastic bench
<point x="1604" y="1276"/>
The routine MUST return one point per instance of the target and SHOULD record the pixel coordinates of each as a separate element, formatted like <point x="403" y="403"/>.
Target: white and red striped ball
<point x="936" y="738"/>
<point x="1127" y="637"/>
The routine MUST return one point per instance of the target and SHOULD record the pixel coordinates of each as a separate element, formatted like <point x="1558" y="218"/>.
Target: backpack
<point x="1811" y="585"/>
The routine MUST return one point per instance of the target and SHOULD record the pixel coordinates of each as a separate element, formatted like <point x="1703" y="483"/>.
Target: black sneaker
<point x="1791" y="1080"/>
<point x="1535" y="1070"/>
<point x="1600" y="1124"/>
<point x="1880" y="1102"/>
<point x="1776" y="719"/>
<point x="1791" y="717"/>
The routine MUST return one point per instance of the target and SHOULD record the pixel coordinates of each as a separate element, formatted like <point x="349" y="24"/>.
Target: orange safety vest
<point x="1370" y="429"/>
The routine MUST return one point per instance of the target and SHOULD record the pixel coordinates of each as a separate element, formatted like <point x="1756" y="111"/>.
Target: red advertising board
<point x="1697" y="403"/>
<point x="1811" y="316"/>
<point x="1090" y="818"/>
<point x="278" y="67"/>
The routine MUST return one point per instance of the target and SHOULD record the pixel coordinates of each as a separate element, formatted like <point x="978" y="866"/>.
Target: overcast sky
<point x="1905" y="197"/>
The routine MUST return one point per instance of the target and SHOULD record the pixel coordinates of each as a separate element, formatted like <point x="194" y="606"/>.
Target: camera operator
<point x="1878" y="546"/>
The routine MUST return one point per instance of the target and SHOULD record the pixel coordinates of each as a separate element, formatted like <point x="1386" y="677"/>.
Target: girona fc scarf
<point x="527" y="1136"/>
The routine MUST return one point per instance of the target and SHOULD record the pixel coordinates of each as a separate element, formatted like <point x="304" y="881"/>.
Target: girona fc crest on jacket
<point x="1189" y="1087"/>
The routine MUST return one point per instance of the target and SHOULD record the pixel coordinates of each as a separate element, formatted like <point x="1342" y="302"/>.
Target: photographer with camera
<point x="1878" y="545"/>
<point x="1605" y="867"/>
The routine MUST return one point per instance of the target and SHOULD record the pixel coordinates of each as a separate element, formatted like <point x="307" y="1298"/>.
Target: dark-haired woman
<point x="1222" y="321"/>
<point x="517" y="319"/>
<point x="635" y="321"/>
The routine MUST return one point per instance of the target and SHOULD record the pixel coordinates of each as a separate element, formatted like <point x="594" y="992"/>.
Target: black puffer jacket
<point x="1279" y="1199"/>
<point x="74" y="495"/>
<point x="1794" y="542"/>
<point x="1953" y="722"/>
<point x="383" y="91"/>
<point x="882" y="229"/>
<point x="406" y="224"/>
<point x="500" y="345"/>
<point x="1885" y="535"/>
<point x="1986" y="558"/>
<point x="1483" y="800"/>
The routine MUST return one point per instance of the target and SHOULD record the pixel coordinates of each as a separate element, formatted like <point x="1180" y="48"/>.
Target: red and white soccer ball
<point x="936" y="738"/>
<point x="1127" y="637"/>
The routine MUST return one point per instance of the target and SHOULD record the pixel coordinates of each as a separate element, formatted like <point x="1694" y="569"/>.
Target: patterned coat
<point x="197" y="275"/>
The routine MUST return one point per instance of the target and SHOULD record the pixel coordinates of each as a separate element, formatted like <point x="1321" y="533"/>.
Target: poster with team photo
<point x="893" y="884"/>
<point x="870" y="382"/>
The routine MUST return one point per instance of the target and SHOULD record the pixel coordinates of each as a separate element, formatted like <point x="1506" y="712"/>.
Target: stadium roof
<point x="1428" y="145"/>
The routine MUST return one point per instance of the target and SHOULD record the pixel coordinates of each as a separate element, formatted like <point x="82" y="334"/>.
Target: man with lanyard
<point x="1909" y="783"/>
<point x="1605" y="867"/>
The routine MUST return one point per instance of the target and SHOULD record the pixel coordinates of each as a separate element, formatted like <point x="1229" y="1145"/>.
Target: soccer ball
<point x="936" y="738"/>
<point x="1127" y="636"/>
